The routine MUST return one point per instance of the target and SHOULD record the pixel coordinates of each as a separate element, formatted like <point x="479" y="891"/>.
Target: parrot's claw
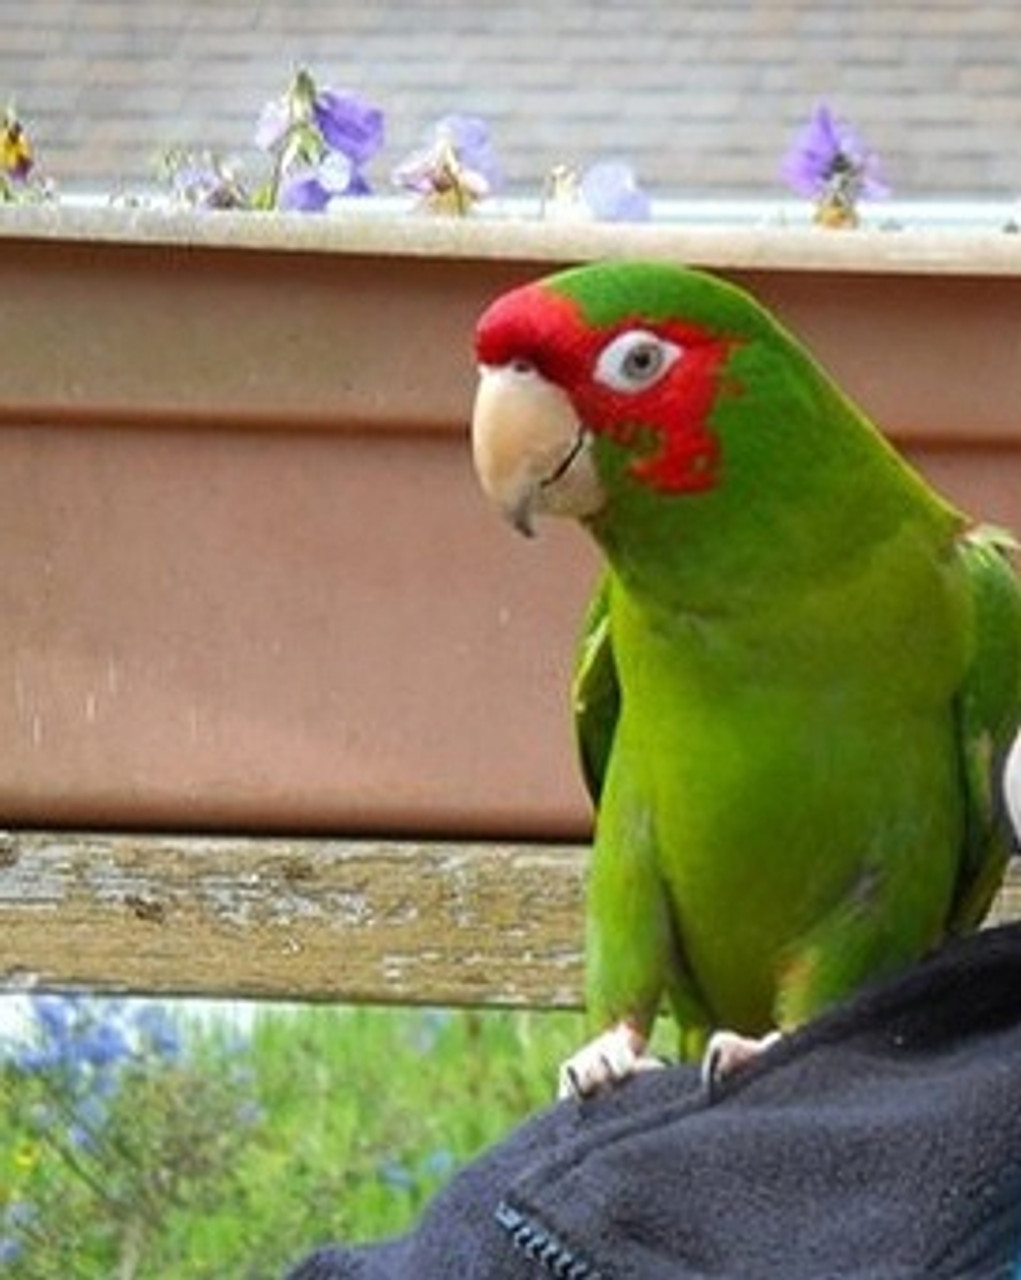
<point x="605" y="1061"/>
<point x="728" y="1052"/>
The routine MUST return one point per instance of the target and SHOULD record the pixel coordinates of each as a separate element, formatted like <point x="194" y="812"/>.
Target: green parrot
<point x="798" y="679"/>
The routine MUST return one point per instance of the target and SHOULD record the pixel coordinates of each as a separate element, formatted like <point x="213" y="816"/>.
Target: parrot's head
<point x="605" y="378"/>
<point x="693" y="435"/>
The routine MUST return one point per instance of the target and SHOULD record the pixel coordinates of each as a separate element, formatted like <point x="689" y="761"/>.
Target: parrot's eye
<point x="633" y="361"/>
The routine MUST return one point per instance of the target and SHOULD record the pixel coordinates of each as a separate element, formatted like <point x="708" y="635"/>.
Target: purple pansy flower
<point x="16" y="158"/>
<point x="456" y="167"/>
<point x="321" y="140"/>
<point x="204" y="181"/>
<point x="19" y="179"/>
<point x="606" y="191"/>
<point x="611" y="191"/>
<point x="349" y="125"/>
<point x="829" y="163"/>
<point x="274" y="123"/>
<point x="313" y="188"/>
<point x="470" y="138"/>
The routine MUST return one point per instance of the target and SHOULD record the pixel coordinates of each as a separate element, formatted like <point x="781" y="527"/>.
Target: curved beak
<point x="532" y="455"/>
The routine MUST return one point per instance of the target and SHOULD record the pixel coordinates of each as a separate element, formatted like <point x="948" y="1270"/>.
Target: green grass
<point x="370" y="1111"/>
<point x="321" y="1124"/>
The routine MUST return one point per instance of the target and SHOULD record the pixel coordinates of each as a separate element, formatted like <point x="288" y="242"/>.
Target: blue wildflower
<point x="440" y="1163"/>
<point x="158" y="1032"/>
<point x="10" y="1250"/>
<point x="55" y="1015"/>
<point x="102" y="1044"/>
<point x="17" y="1216"/>
<point x="396" y="1175"/>
<point x="90" y="1041"/>
<point x="428" y="1028"/>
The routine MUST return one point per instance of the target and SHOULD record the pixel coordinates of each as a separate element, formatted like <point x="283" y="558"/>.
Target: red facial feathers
<point x="537" y="327"/>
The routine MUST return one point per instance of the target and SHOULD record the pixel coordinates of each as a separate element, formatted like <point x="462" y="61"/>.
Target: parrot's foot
<point x="605" y="1061"/>
<point x="728" y="1052"/>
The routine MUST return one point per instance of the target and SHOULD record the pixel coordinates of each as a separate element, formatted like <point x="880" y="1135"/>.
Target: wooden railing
<point x="445" y="923"/>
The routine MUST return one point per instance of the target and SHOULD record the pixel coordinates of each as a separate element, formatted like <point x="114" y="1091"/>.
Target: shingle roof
<point x="701" y="97"/>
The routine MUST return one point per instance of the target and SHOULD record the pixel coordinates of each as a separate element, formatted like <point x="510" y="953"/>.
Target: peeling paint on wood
<point x="363" y="921"/>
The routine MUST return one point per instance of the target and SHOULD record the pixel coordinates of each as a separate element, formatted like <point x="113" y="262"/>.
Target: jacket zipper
<point x="555" y="1257"/>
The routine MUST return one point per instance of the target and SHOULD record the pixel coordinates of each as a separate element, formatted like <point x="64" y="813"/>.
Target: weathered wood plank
<point x="401" y="922"/>
<point x="404" y="922"/>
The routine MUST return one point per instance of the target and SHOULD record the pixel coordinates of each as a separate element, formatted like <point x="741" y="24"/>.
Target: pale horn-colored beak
<point x="532" y="456"/>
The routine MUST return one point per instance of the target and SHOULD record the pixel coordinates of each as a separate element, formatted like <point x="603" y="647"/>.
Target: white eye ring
<point x="635" y="360"/>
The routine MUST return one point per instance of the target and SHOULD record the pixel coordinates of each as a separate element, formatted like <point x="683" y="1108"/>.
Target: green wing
<point x="988" y="710"/>
<point x="595" y="693"/>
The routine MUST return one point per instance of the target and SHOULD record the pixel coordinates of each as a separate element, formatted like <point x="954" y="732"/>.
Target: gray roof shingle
<point x="701" y="97"/>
